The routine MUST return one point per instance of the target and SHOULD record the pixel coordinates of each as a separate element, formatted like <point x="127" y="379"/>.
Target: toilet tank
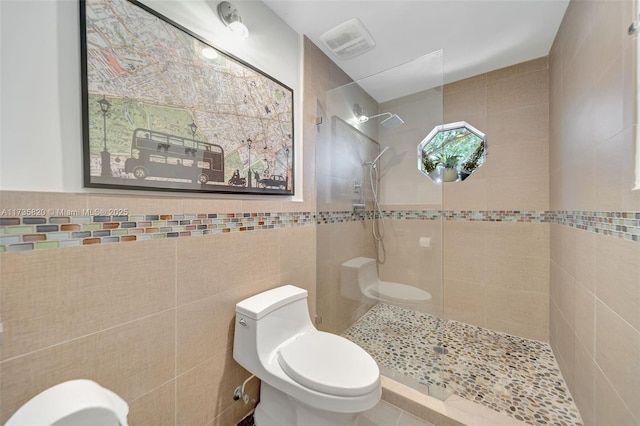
<point x="356" y="275"/>
<point x="265" y="321"/>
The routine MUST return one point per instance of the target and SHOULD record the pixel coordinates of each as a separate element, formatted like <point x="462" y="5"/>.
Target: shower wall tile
<point x="519" y="159"/>
<point x="465" y="301"/>
<point x="519" y="90"/>
<point x="530" y="274"/>
<point x="617" y="351"/>
<point x="507" y="193"/>
<point x="518" y="239"/>
<point x="466" y="98"/>
<point x="517" y="312"/>
<point x="617" y="277"/>
<point x="595" y="328"/>
<point x="511" y="106"/>
<point x="409" y="262"/>
<point x="473" y="269"/>
<point x="610" y="408"/>
<point x="524" y="126"/>
<point x="583" y="318"/>
<point x="564" y="293"/>
<point x="506" y="267"/>
<point x="473" y="195"/>
<point x="584" y="384"/>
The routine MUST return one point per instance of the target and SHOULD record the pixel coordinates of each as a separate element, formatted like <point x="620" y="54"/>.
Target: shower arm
<point x="379" y="115"/>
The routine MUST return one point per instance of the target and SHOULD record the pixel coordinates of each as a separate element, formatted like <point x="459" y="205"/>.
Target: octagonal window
<point x="452" y="152"/>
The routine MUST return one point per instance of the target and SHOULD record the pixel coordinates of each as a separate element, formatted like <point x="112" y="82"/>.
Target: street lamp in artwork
<point x="194" y="129"/>
<point x="105" y="155"/>
<point x="286" y="171"/>
<point x="249" y="142"/>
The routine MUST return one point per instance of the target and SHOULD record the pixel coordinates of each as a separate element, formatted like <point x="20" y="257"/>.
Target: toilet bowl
<point x="73" y="403"/>
<point x="308" y="377"/>
<point x="359" y="278"/>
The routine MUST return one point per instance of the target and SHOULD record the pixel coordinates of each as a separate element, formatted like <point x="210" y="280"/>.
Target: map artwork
<point x="164" y="110"/>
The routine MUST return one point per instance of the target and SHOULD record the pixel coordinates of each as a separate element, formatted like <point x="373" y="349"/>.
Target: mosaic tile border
<point x="24" y="231"/>
<point x="41" y="232"/>
<point x="623" y="225"/>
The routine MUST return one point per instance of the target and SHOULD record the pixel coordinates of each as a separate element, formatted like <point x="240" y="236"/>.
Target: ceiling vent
<point x="348" y="39"/>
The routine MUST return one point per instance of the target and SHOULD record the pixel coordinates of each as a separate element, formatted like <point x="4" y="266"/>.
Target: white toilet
<point x="73" y="403"/>
<point x="359" y="277"/>
<point x="309" y="377"/>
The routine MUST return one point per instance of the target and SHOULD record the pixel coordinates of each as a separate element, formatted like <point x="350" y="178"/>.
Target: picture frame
<point x="167" y="111"/>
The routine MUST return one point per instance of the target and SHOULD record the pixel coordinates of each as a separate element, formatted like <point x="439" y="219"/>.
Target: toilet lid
<point x="330" y="364"/>
<point x="399" y="292"/>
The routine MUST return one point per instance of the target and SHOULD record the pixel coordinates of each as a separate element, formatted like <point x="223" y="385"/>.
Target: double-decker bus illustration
<point x="161" y="155"/>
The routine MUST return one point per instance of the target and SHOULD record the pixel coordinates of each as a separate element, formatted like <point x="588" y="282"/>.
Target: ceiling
<point x="421" y="44"/>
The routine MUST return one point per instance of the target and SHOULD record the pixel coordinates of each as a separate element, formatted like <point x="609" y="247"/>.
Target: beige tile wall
<point x="595" y="279"/>
<point x="496" y="274"/>
<point x="151" y="320"/>
<point x="511" y="106"/>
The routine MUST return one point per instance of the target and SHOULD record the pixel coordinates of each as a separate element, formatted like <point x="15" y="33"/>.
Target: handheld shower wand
<point x="374" y="162"/>
<point x="378" y="228"/>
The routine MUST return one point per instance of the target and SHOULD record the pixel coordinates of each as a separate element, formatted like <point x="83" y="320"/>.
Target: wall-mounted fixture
<point x="390" y="122"/>
<point x="451" y="152"/>
<point x="231" y="18"/>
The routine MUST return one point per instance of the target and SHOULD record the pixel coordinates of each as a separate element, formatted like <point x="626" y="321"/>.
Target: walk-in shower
<point x="428" y="343"/>
<point x="363" y="145"/>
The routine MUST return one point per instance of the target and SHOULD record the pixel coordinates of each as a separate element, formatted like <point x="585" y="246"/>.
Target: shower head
<point x="390" y="122"/>
<point x="375" y="161"/>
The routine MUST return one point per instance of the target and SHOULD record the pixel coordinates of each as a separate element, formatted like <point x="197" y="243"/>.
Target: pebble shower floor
<point x="512" y="375"/>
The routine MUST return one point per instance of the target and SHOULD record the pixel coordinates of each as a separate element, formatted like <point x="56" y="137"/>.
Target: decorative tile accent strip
<point x="625" y="225"/>
<point x="41" y="233"/>
<point x="35" y="233"/>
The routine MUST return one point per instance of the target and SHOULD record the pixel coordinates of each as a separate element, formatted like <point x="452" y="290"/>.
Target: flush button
<point x="243" y="322"/>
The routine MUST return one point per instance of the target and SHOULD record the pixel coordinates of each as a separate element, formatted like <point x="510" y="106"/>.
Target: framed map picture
<point x="164" y="110"/>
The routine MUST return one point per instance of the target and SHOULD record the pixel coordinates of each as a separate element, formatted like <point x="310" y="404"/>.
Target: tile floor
<point x="514" y="376"/>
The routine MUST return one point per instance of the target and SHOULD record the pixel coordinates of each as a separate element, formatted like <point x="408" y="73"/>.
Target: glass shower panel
<point x="379" y="253"/>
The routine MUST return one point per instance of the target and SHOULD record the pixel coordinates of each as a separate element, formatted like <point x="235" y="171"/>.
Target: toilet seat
<point x="330" y="364"/>
<point x="397" y="292"/>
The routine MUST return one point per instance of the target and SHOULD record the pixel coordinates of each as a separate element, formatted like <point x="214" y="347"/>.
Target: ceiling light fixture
<point x="231" y="18"/>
